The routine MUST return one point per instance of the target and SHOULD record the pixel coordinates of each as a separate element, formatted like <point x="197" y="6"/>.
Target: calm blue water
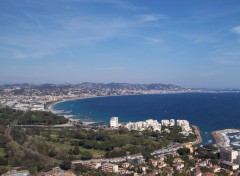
<point x="209" y="111"/>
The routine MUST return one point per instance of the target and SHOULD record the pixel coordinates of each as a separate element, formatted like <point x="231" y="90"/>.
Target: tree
<point x="215" y="161"/>
<point x="183" y="151"/>
<point x="146" y="155"/>
<point x="86" y="155"/>
<point x="65" y="165"/>
<point x="116" y="152"/>
<point x="80" y="168"/>
<point x="169" y="159"/>
<point x="76" y="150"/>
<point x="3" y="161"/>
<point x="70" y="152"/>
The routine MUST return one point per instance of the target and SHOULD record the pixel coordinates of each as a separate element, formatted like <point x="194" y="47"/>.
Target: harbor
<point x="227" y="138"/>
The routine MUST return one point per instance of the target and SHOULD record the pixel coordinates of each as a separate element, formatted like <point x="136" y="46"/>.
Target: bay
<point x="208" y="111"/>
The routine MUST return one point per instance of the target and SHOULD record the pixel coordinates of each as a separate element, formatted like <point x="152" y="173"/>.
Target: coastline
<point x="51" y="104"/>
<point x="50" y="108"/>
<point x="199" y="137"/>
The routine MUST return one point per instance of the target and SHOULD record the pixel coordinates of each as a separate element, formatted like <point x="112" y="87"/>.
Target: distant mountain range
<point x="90" y="85"/>
<point x="97" y="88"/>
<point x="87" y="88"/>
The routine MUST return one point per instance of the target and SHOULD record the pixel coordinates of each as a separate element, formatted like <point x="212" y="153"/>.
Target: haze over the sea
<point x="209" y="111"/>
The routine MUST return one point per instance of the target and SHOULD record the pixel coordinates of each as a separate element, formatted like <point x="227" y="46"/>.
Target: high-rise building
<point x="228" y="154"/>
<point x="238" y="158"/>
<point x="171" y="122"/>
<point x="165" y="122"/>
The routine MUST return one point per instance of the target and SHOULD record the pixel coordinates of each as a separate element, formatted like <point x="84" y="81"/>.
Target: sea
<point x="208" y="111"/>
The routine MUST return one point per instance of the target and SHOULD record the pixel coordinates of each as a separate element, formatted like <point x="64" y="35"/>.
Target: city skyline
<point x="191" y="44"/>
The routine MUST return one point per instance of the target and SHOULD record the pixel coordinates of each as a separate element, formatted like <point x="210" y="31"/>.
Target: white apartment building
<point x="114" y="122"/>
<point x="143" y="125"/>
<point x="184" y="124"/>
<point x="165" y="122"/>
<point x="171" y="122"/>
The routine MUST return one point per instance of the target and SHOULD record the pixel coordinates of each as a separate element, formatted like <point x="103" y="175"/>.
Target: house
<point x="153" y="162"/>
<point x="92" y="165"/>
<point x="197" y="172"/>
<point x="178" y="160"/>
<point x="161" y="159"/>
<point x="125" y="165"/>
<point x="178" y="166"/>
<point x="56" y="171"/>
<point x="202" y="164"/>
<point x="109" y="167"/>
<point x="215" y="168"/>
<point x="161" y="165"/>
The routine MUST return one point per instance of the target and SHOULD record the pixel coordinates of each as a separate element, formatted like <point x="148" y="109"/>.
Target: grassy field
<point x="93" y="151"/>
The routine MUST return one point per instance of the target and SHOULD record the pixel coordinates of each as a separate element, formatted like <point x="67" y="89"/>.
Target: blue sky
<point x="188" y="43"/>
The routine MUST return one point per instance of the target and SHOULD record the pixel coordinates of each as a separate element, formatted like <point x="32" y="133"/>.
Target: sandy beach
<point x="68" y="116"/>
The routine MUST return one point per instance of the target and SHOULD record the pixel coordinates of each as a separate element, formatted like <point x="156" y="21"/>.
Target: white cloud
<point x="67" y="31"/>
<point x="152" y="17"/>
<point x="236" y="30"/>
<point x="116" y="3"/>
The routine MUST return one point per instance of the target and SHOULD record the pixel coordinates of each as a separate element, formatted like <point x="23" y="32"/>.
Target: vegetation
<point x="206" y="153"/>
<point x="38" y="149"/>
<point x="66" y="164"/>
<point x="183" y="151"/>
<point x="41" y="118"/>
<point x="17" y="147"/>
<point x="176" y="136"/>
<point x="7" y="116"/>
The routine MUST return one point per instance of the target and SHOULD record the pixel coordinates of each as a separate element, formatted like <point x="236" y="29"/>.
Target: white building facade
<point x="114" y="122"/>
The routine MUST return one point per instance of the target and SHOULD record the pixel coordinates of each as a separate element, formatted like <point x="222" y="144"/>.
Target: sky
<point x="189" y="43"/>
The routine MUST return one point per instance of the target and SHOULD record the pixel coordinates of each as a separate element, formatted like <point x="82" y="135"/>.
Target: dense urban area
<point x="35" y="97"/>
<point x="34" y="141"/>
